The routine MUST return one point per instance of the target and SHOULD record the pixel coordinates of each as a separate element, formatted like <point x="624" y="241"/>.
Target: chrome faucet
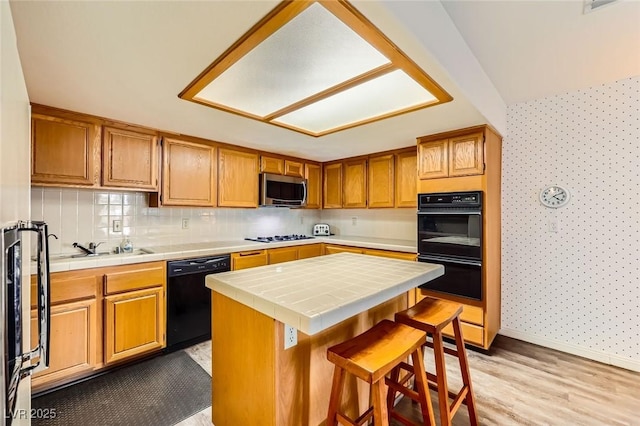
<point x="91" y="251"/>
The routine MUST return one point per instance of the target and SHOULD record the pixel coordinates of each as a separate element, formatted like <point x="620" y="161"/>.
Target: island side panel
<point x="243" y="357"/>
<point x="304" y="375"/>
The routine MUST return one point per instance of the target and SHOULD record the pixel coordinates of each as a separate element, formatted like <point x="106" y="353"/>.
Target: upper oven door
<point x="450" y="233"/>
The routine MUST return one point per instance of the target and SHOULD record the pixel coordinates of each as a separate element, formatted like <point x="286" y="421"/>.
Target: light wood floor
<point x="517" y="383"/>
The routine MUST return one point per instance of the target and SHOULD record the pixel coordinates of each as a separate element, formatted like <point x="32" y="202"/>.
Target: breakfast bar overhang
<point x="328" y="299"/>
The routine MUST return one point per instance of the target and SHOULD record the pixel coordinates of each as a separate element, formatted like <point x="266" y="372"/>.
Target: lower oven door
<point x="461" y="277"/>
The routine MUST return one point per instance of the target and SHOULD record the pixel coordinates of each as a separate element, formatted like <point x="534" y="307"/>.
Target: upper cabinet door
<point x="129" y="159"/>
<point x="355" y="184"/>
<point x="271" y="165"/>
<point x="332" y="187"/>
<point x="188" y="174"/>
<point x="434" y="161"/>
<point x="381" y="181"/>
<point x="293" y="168"/>
<point x="64" y="151"/>
<point x="238" y="178"/>
<point x="313" y="174"/>
<point x="406" y="179"/>
<point x="466" y="155"/>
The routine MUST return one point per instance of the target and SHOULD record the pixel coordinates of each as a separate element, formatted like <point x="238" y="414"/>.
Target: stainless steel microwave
<point x="282" y="191"/>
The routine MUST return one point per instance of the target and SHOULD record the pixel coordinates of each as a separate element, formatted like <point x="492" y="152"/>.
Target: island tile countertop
<point x="58" y="263"/>
<point x="316" y="293"/>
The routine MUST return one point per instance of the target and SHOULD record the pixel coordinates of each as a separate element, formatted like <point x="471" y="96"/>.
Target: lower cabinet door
<point x="134" y="323"/>
<point x="74" y="340"/>
<point x="284" y="254"/>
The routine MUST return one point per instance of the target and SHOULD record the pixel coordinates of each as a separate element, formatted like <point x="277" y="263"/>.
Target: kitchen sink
<point x="135" y="252"/>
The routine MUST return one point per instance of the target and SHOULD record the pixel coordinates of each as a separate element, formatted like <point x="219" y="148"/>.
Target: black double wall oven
<point x="450" y="233"/>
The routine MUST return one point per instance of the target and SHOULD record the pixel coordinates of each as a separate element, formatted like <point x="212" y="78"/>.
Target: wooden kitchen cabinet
<point x="461" y="155"/>
<point x="73" y="333"/>
<point x="293" y="168"/>
<point x="64" y="151"/>
<point x="134" y="323"/>
<point x="311" y="250"/>
<point x="332" y="186"/>
<point x="134" y="310"/>
<point x="249" y="259"/>
<point x="313" y="174"/>
<point x="381" y="181"/>
<point x="75" y="330"/>
<point x="283" y="254"/>
<point x="129" y="159"/>
<point x="271" y="165"/>
<point x="237" y="178"/>
<point x="355" y="184"/>
<point x="406" y="178"/>
<point x="189" y="174"/>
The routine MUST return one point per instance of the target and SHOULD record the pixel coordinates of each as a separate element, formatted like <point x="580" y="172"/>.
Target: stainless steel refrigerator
<point x="16" y="364"/>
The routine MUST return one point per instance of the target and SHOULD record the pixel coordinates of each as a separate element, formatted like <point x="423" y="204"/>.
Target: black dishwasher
<point x="189" y="301"/>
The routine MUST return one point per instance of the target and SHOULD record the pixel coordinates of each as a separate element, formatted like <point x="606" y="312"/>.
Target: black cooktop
<point x="278" y="238"/>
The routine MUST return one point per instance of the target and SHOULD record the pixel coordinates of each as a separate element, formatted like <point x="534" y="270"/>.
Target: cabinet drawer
<point x="472" y="314"/>
<point x="341" y="249"/>
<point x="311" y="250"/>
<point x="471" y="333"/>
<point x="391" y="254"/>
<point x="284" y="254"/>
<point x="248" y="259"/>
<point x="144" y="277"/>
<point x="66" y="289"/>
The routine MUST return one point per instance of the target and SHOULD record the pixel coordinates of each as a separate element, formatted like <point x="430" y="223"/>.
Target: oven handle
<point x="427" y="258"/>
<point x="451" y="212"/>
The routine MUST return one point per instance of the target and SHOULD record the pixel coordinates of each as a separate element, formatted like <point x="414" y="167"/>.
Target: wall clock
<point x="554" y="196"/>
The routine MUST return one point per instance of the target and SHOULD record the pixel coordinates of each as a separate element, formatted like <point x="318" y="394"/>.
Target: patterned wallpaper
<point x="577" y="289"/>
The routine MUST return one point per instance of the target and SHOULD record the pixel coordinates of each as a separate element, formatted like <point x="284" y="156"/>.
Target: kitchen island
<point x="327" y="299"/>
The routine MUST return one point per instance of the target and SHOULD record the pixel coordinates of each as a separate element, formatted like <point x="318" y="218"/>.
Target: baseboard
<point x="611" y="359"/>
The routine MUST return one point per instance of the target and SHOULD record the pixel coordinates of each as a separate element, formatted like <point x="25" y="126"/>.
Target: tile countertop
<point x="185" y="251"/>
<point x="316" y="293"/>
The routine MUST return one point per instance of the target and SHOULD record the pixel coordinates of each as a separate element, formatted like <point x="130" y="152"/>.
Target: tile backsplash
<point x="84" y="215"/>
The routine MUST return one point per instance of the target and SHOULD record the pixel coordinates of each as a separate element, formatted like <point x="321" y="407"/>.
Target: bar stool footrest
<point x="402" y="419"/>
<point x="357" y="422"/>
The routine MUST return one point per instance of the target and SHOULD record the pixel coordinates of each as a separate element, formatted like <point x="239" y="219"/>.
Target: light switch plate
<point x="117" y="225"/>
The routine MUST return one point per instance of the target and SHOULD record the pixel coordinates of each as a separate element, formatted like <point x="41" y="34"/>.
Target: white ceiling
<point x="129" y="60"/>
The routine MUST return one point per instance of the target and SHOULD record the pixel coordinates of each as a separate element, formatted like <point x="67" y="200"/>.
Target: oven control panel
<point x="450" y="199"/>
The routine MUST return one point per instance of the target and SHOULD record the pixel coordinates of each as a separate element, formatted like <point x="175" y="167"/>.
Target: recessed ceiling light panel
<point x="315" y="67"/>
<point x="383" y="96"/>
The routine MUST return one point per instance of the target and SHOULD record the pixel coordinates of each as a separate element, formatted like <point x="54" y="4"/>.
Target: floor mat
<point x="162" y="391"/>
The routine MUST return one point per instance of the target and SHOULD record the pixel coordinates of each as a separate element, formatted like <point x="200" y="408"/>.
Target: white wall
<point x="577" y="290"/>
<point x="14" y="164"/>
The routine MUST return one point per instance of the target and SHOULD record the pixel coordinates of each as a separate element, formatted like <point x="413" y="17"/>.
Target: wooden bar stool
<point x="432" y="315"/>
<point x="370" y="356"/>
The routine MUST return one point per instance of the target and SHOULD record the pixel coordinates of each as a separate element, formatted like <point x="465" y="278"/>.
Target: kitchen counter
<point x="317" y="293"/>
<point x="256" y="373"/>
<point x="59" y="263"/>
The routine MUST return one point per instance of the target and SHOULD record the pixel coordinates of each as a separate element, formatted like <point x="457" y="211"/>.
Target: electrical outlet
<point x="354" y="220"/>
<point x="554" y="225"/>
<point x="290" y="336"/>
<point x="185" y="223"/>
<point x="117" y="225"/>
